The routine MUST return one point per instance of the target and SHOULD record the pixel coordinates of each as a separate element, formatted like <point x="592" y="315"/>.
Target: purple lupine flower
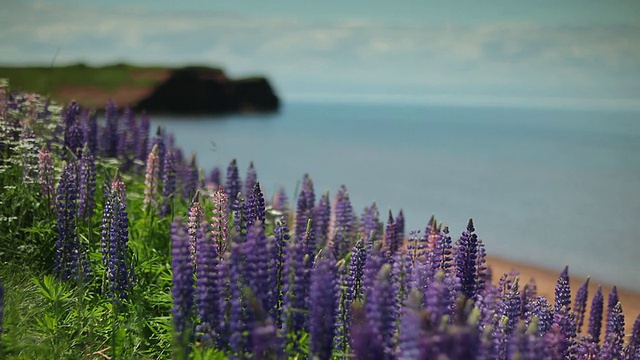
<point x="275" y="264"/>
<point x="177" y="153"/>
<point x="633" y="348"/>
<point x="214" y="177"/>
<point x="411" y="332"/>
<point x="239" y="216"/>
<point x="91" y="132"/>
<point x="264" y="337"/>
<point x="46" y="175"/>
<point x="381" y="310"/>
<point x="255" y="207"/>
<point x="580" y="304"/>
<point x="595" y="316"/>
<point x="500" y="338"/>
<point x="554" y="344"/>
<point x="442" y="258"/>
<point x="257" y="263"/>
<point x="342" y="226"/>
<point x="281" y="238"/>
<point x="372" y="266"/>
<point x="400" y="280"/>
<point x="309" y="242"/>
<point x="614" y="337"/>
<point x="194" y="224"/>
<point x="399" y="221"/>
<point x="323" y="295"/>
<point x="233" y="185"/>
<point x="87" y="184"/>
<point x="322" y="220"/>
<point x="168" y="183"/>
<point x="466" y="266"/>
<point x="391" y="240"/>
<point x="251" y="179"/>
<point x="69" y="257"/>
<point x="295" y="289"/>
<point x="484" y="275"/>
<point x="529" y="292"/>
<point x="416" y="247"/>
<point x="612" y="301"/>
<point x="304" y="207"/>
<point x="129" y="135"/>
<point x="370" y="225"/>
<point x="159" y="140"/>
<point x="563" y="292"/>
<point x="238" y="315"/>
<point x="356" y="272"/>
<point x="74" y="138"/>
<point x="220" y="221"/>
<point x="207" y="292"/>
<point x="151" y="180"/>
<point x="487" y="305"/>
<point x="109" y="138"/>
<point x="586" y="349"/>
<point x="509" y="307"/>
<point x="541" y="309"/>
<point x="223" y="285"/>
<point x="70" y="119"/>
<point x="105" y="228"/>
<point x="438" y="299"/>
<point x="114" y="240"/>
<point x="362" y="335"/>
<point x="191" y="179"/>
<point x="142" y="135"/>
<point x="182" y="288"/>
<point x="280" y="203"/>
<point x="352" y="290"/>
<point x="524" y="344"/>
<point x="564" y="320"/>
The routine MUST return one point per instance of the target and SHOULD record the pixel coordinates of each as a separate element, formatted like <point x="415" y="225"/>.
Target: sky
<point x="581" y="53"/>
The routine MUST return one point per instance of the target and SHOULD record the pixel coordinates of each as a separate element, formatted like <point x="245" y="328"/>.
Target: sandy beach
<point x="546" y="282"/>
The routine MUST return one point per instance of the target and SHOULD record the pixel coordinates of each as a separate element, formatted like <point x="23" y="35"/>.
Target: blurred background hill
<point x="154" y="89"/>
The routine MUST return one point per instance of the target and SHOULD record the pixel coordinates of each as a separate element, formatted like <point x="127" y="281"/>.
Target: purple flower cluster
<point x="114" y="241"/>
<point x="45" y="174"/>
<point x="70" y="259"/>
<point x="183" y="284"/>
<point x="87" y="184"/>
<point x="151" y="178"/>
<point x="384" y="305"/>
<point x="339" y="287"/>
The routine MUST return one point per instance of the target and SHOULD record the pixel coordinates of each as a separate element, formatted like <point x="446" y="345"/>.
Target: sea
<point x="544" y="186"/>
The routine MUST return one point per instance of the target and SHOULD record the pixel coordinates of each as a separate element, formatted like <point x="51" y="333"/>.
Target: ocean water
<point x="549" y="187"/>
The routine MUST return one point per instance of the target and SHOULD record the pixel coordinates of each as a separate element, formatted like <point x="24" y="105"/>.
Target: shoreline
<point x="546" y="281"/>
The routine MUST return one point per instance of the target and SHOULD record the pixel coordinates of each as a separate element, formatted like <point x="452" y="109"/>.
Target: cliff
<point x="204" y="90"/>
<point x="190" y="90"/>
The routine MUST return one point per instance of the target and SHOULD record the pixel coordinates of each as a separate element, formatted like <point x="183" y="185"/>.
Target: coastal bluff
<point x="200" y="90"/>
<point x="196" y="90"/>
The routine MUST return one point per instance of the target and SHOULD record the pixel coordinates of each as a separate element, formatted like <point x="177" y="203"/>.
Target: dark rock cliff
<point x="200" y="90"/>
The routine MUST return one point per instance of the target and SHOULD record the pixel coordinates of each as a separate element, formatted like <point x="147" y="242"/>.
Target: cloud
<point x="516" y="59"/>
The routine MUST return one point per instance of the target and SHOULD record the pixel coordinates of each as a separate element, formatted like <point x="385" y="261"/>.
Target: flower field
<point x="115" y="245"/>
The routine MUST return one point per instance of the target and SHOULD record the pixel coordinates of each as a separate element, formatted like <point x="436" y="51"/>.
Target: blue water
<point x="544" y="186"/>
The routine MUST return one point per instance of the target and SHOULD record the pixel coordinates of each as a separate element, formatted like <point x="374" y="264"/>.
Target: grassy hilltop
<point x="90" y="86"/>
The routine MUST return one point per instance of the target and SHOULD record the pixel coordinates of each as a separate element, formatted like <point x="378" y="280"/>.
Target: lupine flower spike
<point x="151" y="179"/>
<point x="182" y="289"/>
<point x="46" y="175"/>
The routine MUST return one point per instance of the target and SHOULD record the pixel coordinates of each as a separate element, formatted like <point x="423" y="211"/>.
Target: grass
<point x="48" y="80"/>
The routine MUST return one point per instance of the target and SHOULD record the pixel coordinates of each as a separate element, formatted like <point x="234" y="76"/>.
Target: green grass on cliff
<point x="49" y="79"/>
